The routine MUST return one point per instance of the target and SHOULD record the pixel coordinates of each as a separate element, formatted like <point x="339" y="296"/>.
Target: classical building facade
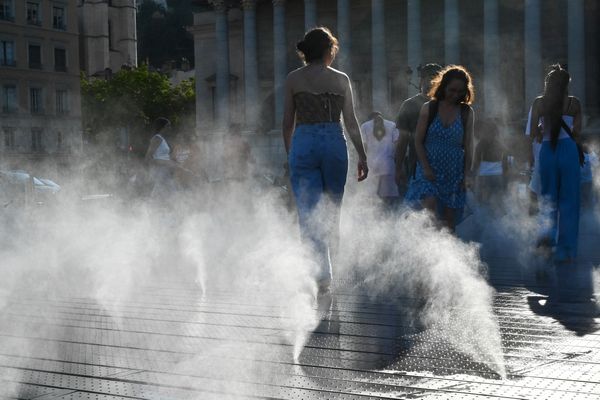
<point x="40" y="115"/>
<point x="244" y="49"/>
<point x="108" y="36"/>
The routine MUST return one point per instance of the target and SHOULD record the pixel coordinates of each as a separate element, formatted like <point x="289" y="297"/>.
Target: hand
<point x="467" y="182"/>
<point x="363" y="170"/>
<point x="400" y="176"/>
<point x="429" y="175"/>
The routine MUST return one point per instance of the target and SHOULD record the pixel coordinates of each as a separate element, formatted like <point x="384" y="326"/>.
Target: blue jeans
<point x="559" y="173"/>
<point x="318" y="163"/>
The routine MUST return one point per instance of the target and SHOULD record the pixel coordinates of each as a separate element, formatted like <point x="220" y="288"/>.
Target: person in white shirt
<point x="159" y="159"/>
<point x="380" y="137"/>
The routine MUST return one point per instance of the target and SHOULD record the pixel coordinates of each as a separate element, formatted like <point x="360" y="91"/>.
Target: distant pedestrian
<point x="556" y="124"/>
<point x="161" y="164"/>
<point x="406" y="122"/>
<point x="590" y="164"/>
<point x="443" y="144"/>
<point x="490" y="165"/>
<point x="316" y="97"/>
<point x="380" y="137"/>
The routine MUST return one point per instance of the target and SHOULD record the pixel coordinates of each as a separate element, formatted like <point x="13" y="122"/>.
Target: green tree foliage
<point x="132" y="99"/>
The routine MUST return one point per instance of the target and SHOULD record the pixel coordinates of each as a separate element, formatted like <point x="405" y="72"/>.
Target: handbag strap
<point x="567" y="129"/>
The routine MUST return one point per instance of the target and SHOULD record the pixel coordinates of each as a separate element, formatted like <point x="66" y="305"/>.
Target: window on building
<point x="35" y="56"/>
<point x="59" y="20"/>
<point x="9" y="98"/>
<point x="36" y="139"/>
<point x="60" y="59"/>
<point x="33" y="13"/>
<point x="9" y="137"/>
<point x="6" y="10"/>
<point x="35" y="100"/>
<point x="7" y="53"/>
<point x="62" y="106"/>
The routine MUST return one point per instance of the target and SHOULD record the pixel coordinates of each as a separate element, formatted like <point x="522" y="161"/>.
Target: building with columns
<point x="244" y="50"/>
<point x="107" y="35"/>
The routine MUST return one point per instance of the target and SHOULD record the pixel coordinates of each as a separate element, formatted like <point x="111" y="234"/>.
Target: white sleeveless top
<point x="163" y="151"/>
<point x="563" y="134"/>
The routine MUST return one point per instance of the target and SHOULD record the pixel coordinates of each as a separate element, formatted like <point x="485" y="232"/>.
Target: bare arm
<point x="289" y="116"/>
<point x="534" y="129"/>
<point x="154" y="143"/>
<point x="351" y="122"/>
<point x="577" y="119"/>
<point x="469" y="142"/>
<point x="477" y="157"/>
<point x="420" y="135"/>
<point x="353" y="129"/>
<point x="401" y="147"/>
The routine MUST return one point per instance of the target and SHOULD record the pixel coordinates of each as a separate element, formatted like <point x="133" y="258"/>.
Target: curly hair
<point x="445" y="76"/>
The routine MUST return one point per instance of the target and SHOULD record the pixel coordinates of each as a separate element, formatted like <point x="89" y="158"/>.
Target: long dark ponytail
<point x="557" y="83"/>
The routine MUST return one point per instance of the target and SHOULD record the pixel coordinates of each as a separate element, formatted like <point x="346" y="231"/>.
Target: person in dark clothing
<point x="406" y="123"/>
<point x="490" y="165"/>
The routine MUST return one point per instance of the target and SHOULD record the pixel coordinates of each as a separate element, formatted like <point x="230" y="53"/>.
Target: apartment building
<point x="40" y="111"/>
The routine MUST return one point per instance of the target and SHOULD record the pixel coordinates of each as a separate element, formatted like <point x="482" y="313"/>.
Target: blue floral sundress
<point x="446" y="156"/>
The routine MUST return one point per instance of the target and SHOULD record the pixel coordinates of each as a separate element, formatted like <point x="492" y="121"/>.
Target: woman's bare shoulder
<point x="293" y="75"/>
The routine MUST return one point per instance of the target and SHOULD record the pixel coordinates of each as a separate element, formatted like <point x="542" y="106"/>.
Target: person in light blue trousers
<point x="316" y="97"/>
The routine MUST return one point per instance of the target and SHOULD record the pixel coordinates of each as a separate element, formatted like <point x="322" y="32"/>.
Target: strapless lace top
<point x="314" y="108"/>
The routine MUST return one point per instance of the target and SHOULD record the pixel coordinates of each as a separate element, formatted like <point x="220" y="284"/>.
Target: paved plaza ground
<point x="171" y="342"/>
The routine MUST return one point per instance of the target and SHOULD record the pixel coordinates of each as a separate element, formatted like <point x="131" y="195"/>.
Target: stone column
<point x="251" y="103"/>
<point x="576" y="47"/>
<point x="279" y="58"/>
<point x="222" y="67"/>
<point x="451" y="32"/>
<point x="491" y="58"/>
<point x="413" y="35"/>
<point x="344" y="36"/>
<point x="533" y="51"/>
<point x="378" y="56"/>
<point x="310" y="14"/>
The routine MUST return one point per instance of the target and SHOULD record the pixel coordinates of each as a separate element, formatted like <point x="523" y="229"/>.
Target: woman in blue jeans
<point x="556" y="124"/>
<point x="316" y="98"/>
